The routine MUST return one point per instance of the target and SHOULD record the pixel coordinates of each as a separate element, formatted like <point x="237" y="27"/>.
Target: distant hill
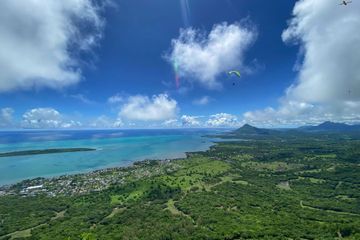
<point x="251" y="130"/>
<point x="331" y="126"/>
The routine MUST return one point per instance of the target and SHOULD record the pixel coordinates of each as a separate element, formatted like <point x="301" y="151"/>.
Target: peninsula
<point x="45" y="151"/>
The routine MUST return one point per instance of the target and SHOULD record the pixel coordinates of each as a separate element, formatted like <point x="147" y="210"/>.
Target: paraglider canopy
<point x="237" y="73"/>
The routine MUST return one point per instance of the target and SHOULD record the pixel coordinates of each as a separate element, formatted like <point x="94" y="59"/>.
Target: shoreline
<point x="15" y="172"/>
<point x="101" y="170"/>
<point x="68" y="185"/>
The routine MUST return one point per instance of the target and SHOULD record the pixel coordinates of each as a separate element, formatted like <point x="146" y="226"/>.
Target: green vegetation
<point x="46" y="151"/>
<point x="303" y="186"/>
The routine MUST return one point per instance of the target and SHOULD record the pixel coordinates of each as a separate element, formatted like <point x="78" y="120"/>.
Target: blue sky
<point x="114" y="68"/>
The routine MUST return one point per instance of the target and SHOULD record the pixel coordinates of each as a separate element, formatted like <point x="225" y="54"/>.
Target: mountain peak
<point x="333" y="126"/>
<point x="247" y="126"/>
<point x="248" y="129"/>
<point x="329" y="123"/>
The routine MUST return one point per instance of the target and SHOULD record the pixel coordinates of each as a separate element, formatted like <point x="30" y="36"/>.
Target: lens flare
<point x="185" y="12"/>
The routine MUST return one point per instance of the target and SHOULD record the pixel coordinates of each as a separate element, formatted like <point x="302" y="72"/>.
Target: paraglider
<point x="237" y="73"/>
<point x="344" y="2"/>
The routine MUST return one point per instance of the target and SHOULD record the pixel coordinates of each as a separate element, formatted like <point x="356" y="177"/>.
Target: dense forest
<point x="303" y="186"/>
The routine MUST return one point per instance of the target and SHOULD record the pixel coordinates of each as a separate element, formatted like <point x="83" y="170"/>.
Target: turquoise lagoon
<point x="114" y="148"/>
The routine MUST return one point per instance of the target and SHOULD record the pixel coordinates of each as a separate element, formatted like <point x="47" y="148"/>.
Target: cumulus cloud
<point x="171" y="123"/>
<point x="292" y="113"/>
<point x="330" y="40"/>
<point x="202" y="101"/>
<point x="117" y="98"/>
<point x="142" y="108"/>
<point x="222" y="120"/>
<point x="106" y="122"/>
<point x="39" y="118"/>
<point x="6" y="118"/>
<point x="190" y="121"/>
<point x="40" y="41"/>
<point x="71" y="124"/>
<point x="118" y="123"/>
<point x="203" y="57"/>
<point x="82" y="98"/>
<point x="328" y="83"/>
<point x="288" y="113"/>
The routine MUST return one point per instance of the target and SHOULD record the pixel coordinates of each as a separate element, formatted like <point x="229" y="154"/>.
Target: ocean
<point x="114" y="148"/>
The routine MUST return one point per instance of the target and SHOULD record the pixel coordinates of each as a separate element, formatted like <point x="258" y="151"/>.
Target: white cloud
<point x="118" y="123"/>
<point x="71" y="124"/>
<point x="82" y="98"/>
<point x="293" y="113"/>
<point x="6" y="118"/>
<point x="330" y="40"/>
<point x="39" y="118"/>
<point x="202" y="101"/>
<point x="142" y="108"/>
<point x="190" y="121"/>
<point x="203" y="58"/>
<point x="289" y="113"/>
<point x="42" y="118"/>
<point x="106" y="122"/>
<point x="117" y="98"/>
<point x="171" y="123"/>
<point x="328" y="84"/>
<point x="223" y="120"/>
<point x="40" y="39"/>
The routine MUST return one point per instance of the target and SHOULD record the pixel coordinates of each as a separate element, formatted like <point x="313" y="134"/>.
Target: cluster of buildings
<point x="70" y="185"/>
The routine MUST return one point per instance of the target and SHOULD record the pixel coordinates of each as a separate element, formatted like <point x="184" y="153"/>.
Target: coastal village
<point x="273" y="182"/>
<point x="72" y="185"/>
